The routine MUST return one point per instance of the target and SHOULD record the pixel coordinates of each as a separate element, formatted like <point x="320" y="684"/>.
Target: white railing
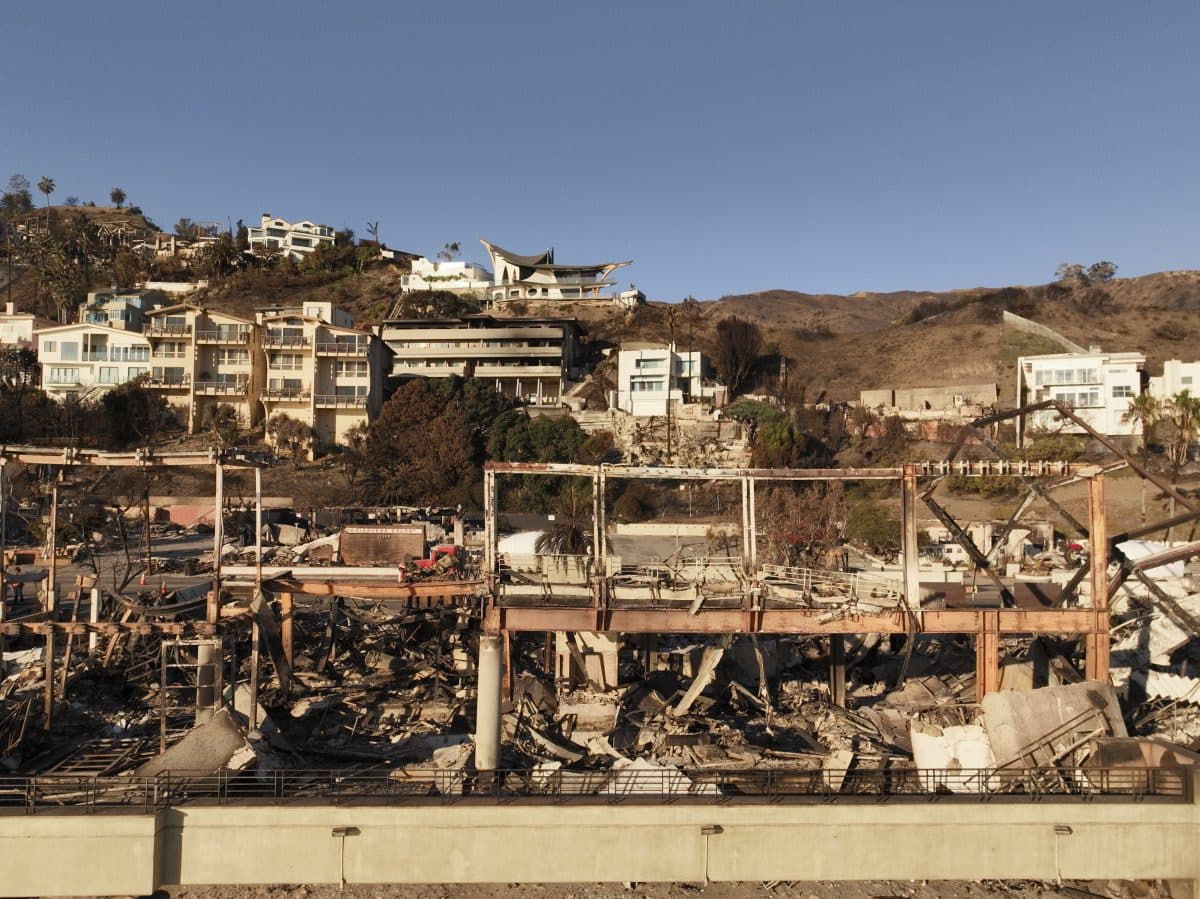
<point x="335" y="401"/>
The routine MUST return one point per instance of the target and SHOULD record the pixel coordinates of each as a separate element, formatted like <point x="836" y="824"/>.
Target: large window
<point x="70" y="351"/>
<point x="646" y="386"/>
<point x="345" y="368"/>
<point x="108" y="374"/>
<point x="287" y="361"/>
<point x="1122" y="390"/>
<point x="1047" y="376"/>
<point x="1079" y="399"/>
<point x="642" y="364"/>
<point x="233" y="356"/>
<point x="64" y="375"/>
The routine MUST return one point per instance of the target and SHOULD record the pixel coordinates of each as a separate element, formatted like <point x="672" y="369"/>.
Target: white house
<point x="1099" y="386"/>
<point x="122" y="308"/>
<point x="454" y="276"/>
<point x="539" y="277"/>
<point x="1176" y="377"/>
<point x="651" y="375"/>
<point x="292" y="239"/>
<point x="82" y="361"/>
<point x="17" y="328"/>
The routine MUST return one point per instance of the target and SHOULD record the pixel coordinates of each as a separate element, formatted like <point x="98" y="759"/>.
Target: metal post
<point x="1096" y="643"/>
<point x="489" y="523"/>
<point x="214" y="600"/>
<point x="93" y="619"/>
<point x="487" y="703"/>
<point x="909" y="543"/>
<point x="255" y="642"/>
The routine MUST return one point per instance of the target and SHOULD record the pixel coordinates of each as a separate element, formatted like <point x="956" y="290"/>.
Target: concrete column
<point x="93" y="618"/>
<point x="3" y="551"/>
<point x="487" y="702"/>
<point x="752" y="516"/>
<point x="908" y="536"/>
<point x="206" y="699"/>
<point x="214" y="600"/>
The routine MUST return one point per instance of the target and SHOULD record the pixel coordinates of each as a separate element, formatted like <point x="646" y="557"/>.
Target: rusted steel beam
<point x="977" y="468"/>
<point x="42" y="628"/>
<point x="71" y="456"/>
<point x="1153" y="528"/>
<point x="376" y="589"/>
<point x="1166" y="557"/>
<point x="784" y="621"/>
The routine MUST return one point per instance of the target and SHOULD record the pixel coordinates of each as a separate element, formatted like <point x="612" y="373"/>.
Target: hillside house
<point x="454" y="276"/>
<point x="83" y="361"/>
<point x="295" y="240"/>
<point x="540" y="277"/>
<point x="17" y="328"/>
<point x="1177" y="377"/>
<point x="651" y="376"/>
<point x="1099" y="386"/>
<point x="529" y="359"/>
<point x="122" y="308"/>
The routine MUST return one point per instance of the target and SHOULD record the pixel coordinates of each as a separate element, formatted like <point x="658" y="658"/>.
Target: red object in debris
<point x="1074" y="547"/>
<point x="436" y="554"/>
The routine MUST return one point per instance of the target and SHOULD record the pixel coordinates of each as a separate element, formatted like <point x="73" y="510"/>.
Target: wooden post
<point x="909" y="542"/>
<point x="987" y="654"/>
<point x="837" y="669"/>
<point x="286" y="625"/>
<point x="1096" y="644"/>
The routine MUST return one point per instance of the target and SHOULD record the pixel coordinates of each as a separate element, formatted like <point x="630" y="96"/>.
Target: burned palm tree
<point x="570" y="533"/>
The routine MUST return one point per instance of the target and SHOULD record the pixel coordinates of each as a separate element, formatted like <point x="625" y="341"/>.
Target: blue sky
<point x="724" y="147"/>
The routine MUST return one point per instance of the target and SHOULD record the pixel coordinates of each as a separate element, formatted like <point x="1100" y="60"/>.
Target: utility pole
<point x="670" y="378"/>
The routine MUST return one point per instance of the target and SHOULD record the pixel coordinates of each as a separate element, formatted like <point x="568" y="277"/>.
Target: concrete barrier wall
<point x="672" y="529"/>
<point x="472" y="843"/>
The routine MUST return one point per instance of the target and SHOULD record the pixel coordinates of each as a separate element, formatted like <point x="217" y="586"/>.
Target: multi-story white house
<point x="292" y="239"/>
<point x="526" y="358"/>
<point x="329" y="376"/>
<point x="1099" y="387"/>
<point x="650" y="376"/>
<point x="201" y="359"/>
<point x="455" y="276"/>
<point x="17" y="328"/>
<point x="1177" y="377"/>
<point x="83" y="361"/>
<point x="539" y="277"/>
<point x="122" y="308"/>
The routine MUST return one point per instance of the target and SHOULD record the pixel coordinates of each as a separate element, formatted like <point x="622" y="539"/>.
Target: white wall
<point x="1177" y="376"/>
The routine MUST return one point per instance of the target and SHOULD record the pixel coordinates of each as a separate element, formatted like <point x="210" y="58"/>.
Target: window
<point x="350" y="369"/>
<point x="645" y="386"/>
<point x="1122" y="390"/>
<point x="70" y="351"/>
<point x="1078" y="399"/>
<point x="287" y="361"/>
<point x="108" y="374"/>
<point x="647" y="363"/>
<point x="48" y="346"/>
<point x="231" y="357"/>
<point x="136" y="371"/>
<point x="1185" y="379"/>
<point x="64" y="376"/>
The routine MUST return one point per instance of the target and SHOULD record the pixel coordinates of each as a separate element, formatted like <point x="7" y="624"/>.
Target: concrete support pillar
<point x="287" y="626"/>
<point x="837" y="669"/>
<point x="214" y="599"/>
<point x="487" y="702"/>
<point x="93" y="618"/>
<point x="206" y="683"/>
<point x="602" y="513"/>
<point x="908" y="535"/>
<point x="746" y="522"/>
<point x="752" y="516"/>
<point x="597" y="537"/>
<point x="3" y="550"/>
<point x="1096" y="643"/>
<point x="489" y="523"/>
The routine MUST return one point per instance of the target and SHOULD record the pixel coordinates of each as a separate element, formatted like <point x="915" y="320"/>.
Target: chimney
<point x="10" y="308"/>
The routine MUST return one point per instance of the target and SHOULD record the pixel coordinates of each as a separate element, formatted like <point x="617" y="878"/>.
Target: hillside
<point x="842" y="344"/>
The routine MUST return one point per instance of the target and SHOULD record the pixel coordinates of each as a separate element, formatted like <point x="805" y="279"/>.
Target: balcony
<point x="236" y="338"/>
<point x="162" y="329"/>
<point x="222" y="388"/>
<point x="329" y="348"/>
<point x="280" y="341"/>
<point x="334" y="401"/>
<point x="180" y="382"/>
<point x="287" y="394"/>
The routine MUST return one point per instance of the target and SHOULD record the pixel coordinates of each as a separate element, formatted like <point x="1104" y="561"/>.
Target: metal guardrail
<point x="30" y="795"/>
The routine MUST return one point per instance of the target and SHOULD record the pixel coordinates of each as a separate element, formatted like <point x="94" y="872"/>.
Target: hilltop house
<point x="454" y="276"/>
<point x="539" y="277"/>
<point x="1099" y="386"/>
<point x="1177" y="376"/>
<point x="17" y="328"/>
<point x="122" y="308"/>
<point x="293" y="240"/>
<point x="650" y="376"/>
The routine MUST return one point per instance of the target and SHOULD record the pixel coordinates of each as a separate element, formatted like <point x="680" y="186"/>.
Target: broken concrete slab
<point x="836" y="766"/>
<point x="952" y="757"/>
<point x="1173" y="687"/>
<point x="216" y="745"/>
<point x="642" y="776"/>
<point x="1031" y="728"/>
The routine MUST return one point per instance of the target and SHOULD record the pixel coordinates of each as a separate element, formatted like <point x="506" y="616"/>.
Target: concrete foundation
<point x="487" y="702"/>
<point x="74" y="854"/>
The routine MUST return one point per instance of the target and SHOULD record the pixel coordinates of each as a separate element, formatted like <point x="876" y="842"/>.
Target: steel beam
<point x="1097" y="644"/>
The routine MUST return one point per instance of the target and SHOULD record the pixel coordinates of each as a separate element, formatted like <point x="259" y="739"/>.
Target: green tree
<point x="570" y="534"/>
<point x="17" y="197"/>
<point x="133" y="414"/>
<point x="290" y="435"/>
<point x="221" y="424"/>
<point x="117" y="196"/>
<point x="871" y="525"/>
<point x="1102" y="271"/>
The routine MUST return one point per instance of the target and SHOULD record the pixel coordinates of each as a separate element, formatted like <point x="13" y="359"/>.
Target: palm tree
<point x="1147" y="410"/>
<point x="570" y="534"/>
<point x="118" y="197"/>
<point x="46" y="186"/>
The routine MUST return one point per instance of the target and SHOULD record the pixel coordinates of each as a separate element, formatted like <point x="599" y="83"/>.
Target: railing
<point x="342" y="349"/>
<point x="333" y="401"/>
<point x="278" y="340"/>
<point x="161" y="330"/>
<point x="222" y="336"/>
<point x="222" y="388"/>
<point x="94" y="357"/>
<point x="835" y="585"/>
<point x="666" y="785"/>
<point x="286" y="393"/>
<point x="169" y="383"/>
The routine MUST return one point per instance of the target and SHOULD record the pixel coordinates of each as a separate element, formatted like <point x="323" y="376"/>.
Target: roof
<point x="545" y="261"/>
<point x="89" y="326"/>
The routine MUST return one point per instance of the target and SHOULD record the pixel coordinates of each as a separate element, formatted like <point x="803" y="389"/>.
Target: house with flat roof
<point x="540" y="277"/>
<point x="453" y="276"/>
<point x="1098" y="386"/>
<point x="83" y="361"/>
<point x="123" y="308"/>
<point x="295" y="240"/>
<point x="529" y="359"/>
<point x="17" y="328"/>
<point x="652" y="376"/>
<point x="1177" y="377"/>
